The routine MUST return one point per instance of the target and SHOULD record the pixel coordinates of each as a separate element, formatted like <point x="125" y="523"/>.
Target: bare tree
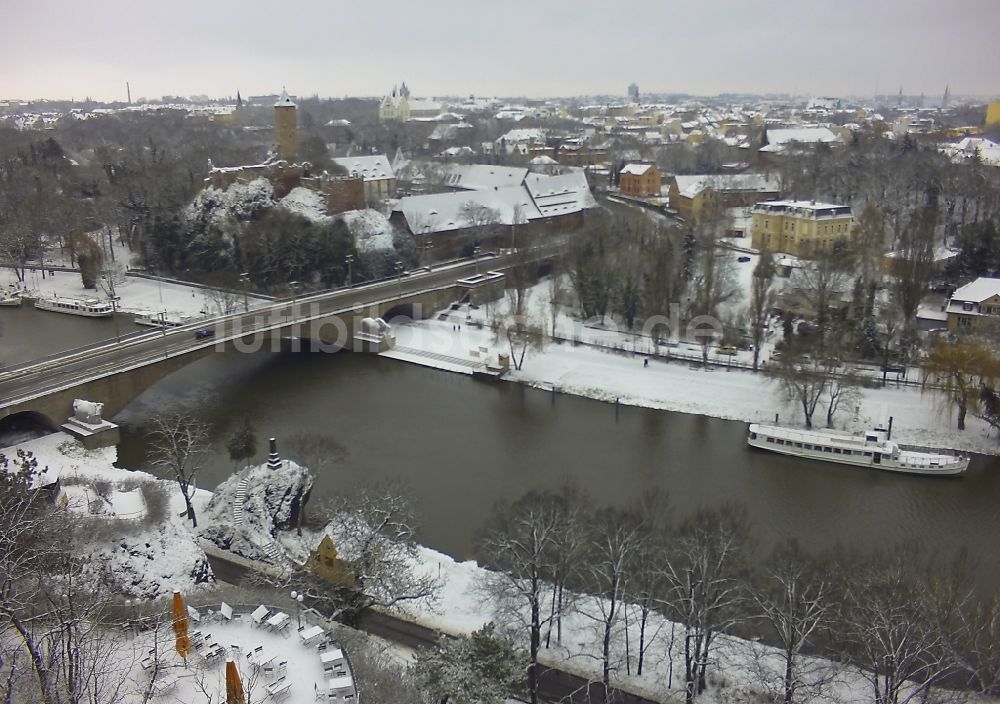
<point x="822" y="280"/>
<point x="179" y="444"/>
<point x="519" y="542"/>
<point x="225" y="301"/>
<point x="761" y="302"/>
<point x="705" y="570"/>
<point x="794" y="601"/>
<point x="843" y="390"/>
<point x="49" y="600"/>
<point x="374" y="530"/>
<point x="884" y="625"/>
<point x="914" y="264"/>
<point x="646" y="579"/>
<point x="614" y="540"/>
<point x="520" y="333"/>
<point x="801" y="381"/>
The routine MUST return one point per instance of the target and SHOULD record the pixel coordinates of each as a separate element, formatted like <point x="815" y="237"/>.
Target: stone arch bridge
<point x="114" y="373"/>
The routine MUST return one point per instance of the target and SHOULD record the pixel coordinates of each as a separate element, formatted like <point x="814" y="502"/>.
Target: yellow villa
<point x="800" y="227"/>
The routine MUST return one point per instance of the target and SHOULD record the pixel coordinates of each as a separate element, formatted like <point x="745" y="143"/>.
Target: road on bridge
<point x="34" y="380"/>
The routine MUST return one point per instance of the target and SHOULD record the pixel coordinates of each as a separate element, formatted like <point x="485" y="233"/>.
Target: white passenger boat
<point x="87" y="307"/>
<point x="871" y="449"/>
<point x="170" y="321"/>
<point x="10" y="298"/>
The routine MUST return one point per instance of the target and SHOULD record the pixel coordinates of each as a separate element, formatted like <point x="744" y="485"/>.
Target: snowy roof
<point x="518" y="136"/>
<point x="690" y="186"/>
<point x="442" y="212"/>
<point x="778" y="139"/>
<point x="941" y="254"/>
<point x="479" y="177"/>
<point x="807" y="208"/>
<point x="543" y="160"/>
<point x="424" y="104"/>
<point x="560" y="195"/>
<point x="370" y="168"/>
<point x="636" y="169"/>
<point x="978" y="291"/>
<point x="970" y="148"/>
<point x="284" y="101"/>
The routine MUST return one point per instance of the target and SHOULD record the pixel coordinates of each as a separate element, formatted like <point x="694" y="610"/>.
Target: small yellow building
<point x="972" y="303"/>
<point x="800" y="227"/>
<point x="993" y="114"/>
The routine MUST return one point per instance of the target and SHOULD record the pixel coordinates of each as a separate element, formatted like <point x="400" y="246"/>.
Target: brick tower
<point x="286" y="127"/>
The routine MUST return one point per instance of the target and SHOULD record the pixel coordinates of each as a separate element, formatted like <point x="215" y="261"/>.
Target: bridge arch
<point x="35" y="423"/>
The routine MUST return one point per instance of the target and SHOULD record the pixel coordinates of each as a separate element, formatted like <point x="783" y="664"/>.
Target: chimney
<point x="273" y="461"/>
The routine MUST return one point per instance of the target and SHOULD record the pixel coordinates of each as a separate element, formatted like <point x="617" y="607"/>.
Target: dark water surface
<point x="459" y="445"/>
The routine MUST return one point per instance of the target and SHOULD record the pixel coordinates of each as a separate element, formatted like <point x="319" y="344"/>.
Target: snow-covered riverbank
<point x="462" y="603"/>
<point x="601" y="364"/>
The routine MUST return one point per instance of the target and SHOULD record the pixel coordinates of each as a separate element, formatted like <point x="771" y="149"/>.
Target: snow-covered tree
<point x="178" y="444"/>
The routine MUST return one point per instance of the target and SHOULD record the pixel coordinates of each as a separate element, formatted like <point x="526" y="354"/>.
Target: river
<point x="458" y="445"/>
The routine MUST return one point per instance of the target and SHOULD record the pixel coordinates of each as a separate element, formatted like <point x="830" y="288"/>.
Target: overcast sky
<point x="74" y="49"/>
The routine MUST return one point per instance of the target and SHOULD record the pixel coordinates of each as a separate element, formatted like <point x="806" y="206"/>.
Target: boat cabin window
<point x="836" y="450"/>
<point x="770" y="439"/>
<point x="868" y="454"/>
<point x="871" y="438"/>
<point x="798" y="444"/>
<point x="753" y="436"/>
<point x="827" y="449"/>
<point x="780" y="441"/>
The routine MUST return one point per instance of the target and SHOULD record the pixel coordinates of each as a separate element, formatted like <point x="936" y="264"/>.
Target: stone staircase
<point x="271" y="547"/>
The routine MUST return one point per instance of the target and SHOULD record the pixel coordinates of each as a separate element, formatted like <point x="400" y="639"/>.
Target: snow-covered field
<point x="605" y="369"/>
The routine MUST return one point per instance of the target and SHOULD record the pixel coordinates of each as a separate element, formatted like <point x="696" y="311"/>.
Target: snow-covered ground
<point x="462" y="606"/>
<point x="203" y="681"/>
<point x="145" y="558"/>
<point x="138" y="295"/>
<point x="606" y="369"/>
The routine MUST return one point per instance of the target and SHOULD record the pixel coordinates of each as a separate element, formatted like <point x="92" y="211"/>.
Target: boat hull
<point x="74" y="308"/>
<point x="860" y="456"/>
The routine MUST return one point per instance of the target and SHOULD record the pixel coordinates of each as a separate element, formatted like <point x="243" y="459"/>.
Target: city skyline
<point x="66" y="51"/>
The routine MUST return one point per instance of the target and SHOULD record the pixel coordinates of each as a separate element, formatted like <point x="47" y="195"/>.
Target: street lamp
<point x="294" y="285"/>
<point x="163" y="327"/>
<point x="298" y="597"/>
<point x="475" y="254"/>
<point x="349" y="259"/>
<point x="114" y="317"/>
<point x="399" y="277"/>
<point x="245" y="284"/>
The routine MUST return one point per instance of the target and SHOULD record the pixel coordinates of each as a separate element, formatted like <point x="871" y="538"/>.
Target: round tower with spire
<point x="286" y="127"/>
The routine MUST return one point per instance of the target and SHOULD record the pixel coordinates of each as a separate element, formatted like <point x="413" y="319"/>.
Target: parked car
<point x="743" y="260"/>
<point x="203" y="333"/>
<point x="726" y="349"/>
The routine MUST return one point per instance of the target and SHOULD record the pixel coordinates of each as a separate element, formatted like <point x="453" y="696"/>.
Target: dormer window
<point x="966" y="306"/>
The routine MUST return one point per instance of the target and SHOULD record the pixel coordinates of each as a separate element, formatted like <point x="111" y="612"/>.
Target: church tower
<point x="286" y="127"/>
